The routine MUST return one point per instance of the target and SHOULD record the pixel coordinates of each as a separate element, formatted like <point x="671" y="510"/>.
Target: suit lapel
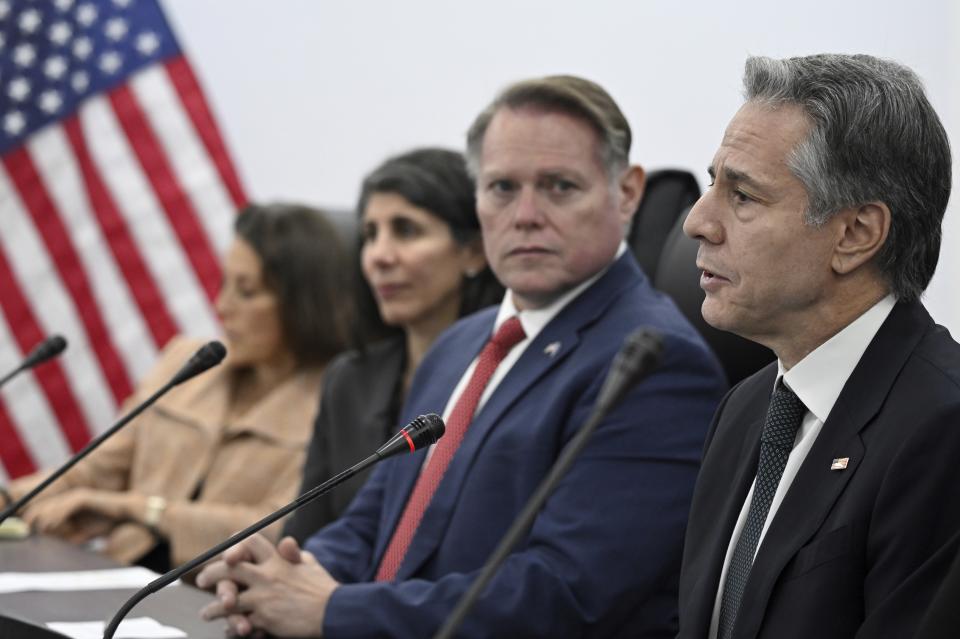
<point x="816" y="487"/>
<point x="557" y="341"/>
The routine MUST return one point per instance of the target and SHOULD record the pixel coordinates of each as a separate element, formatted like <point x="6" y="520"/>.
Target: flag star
<point x="82" y="47"/>
<point x="30" y="20"/>
<point x="50" y="101"/>
<point x="24" y="54"/>
<point x="18" y="89"/>
<point x="147" y="43"/>
<point x="3" y="42"/>
<point x="86" y="14"/>
<point x="110" y="62"/>
<point x="80" y="81"/>
<point x="55" y="67"/>
<point x="63" y="5"/>
<point x="4" y="9"/>
<point x="14" y="122"/>
<point x="60" y="33"/>
<point x="116" y="29"/>
<point x="123" y="4"/>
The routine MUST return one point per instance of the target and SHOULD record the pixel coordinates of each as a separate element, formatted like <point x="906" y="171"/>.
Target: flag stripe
<point x="27" y="332"/>
<point x="14" y="455"/>
<point x="117" y="165"/>
<point x="48" y="301"/>
<point x="33" y="193"/>
<point x="192" y="166"/>
<point x="174" y="201"/>
<point x="61" y="174"/>
<point x="141" y="284"/>
<point x="185" y="82"/>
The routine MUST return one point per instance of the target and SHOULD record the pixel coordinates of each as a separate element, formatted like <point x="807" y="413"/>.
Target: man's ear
<point x="862" y="231"/>
<point x="631" y="187"/>
<point x="472" y="258"/>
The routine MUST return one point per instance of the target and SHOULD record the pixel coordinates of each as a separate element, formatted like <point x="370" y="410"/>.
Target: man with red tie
<point x="555" y="192"/>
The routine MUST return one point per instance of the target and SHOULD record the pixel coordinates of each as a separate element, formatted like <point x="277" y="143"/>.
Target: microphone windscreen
<point x="638" y="357"/>
<point x="426" y="430"/>
<point x="421" y="432"/>
<point x="47" y="349"/>
<point x="208" y="356"/>
<point x="641" y="352"/>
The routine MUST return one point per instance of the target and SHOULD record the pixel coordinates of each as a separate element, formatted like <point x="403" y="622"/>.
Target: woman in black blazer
<point x="422" y="267"/>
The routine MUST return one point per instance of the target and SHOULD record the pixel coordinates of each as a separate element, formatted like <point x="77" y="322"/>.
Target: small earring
<point x="471" y="273"/>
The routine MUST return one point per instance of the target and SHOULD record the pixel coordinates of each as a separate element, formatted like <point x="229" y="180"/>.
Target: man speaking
<point x="827" y="502"/>
<point x="555" y="191"/>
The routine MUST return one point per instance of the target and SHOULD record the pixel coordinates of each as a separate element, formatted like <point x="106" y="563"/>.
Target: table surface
<point x="176" y="606"/>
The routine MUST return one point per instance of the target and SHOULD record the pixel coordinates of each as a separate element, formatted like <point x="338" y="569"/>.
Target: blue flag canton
<point x="56" y="53"/>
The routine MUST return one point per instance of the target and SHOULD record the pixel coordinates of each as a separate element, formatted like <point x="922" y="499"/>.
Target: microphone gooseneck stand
<point x="208" y="356"/>
<point x="424" y="430"/>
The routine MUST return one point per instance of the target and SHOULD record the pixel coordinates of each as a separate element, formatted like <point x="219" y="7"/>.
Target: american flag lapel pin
<point x="551" y="349"/>
<point x="840" y="463"/>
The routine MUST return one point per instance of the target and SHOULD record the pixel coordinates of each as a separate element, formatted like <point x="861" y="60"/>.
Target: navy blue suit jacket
<point x="603" y="556"/>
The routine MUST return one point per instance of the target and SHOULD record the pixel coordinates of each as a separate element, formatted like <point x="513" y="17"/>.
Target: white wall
<point x="313" y="94"/>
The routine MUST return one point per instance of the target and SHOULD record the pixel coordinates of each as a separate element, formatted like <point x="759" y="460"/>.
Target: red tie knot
<point x="509" y="334"/>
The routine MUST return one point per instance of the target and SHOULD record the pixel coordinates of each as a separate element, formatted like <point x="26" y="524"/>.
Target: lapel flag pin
<point x="551" y="349"/>
<point x="840" y="463"/>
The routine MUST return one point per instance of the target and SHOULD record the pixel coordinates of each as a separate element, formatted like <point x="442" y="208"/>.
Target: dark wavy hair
<point x="437" y="181"/>
<point x="305" y="265"/>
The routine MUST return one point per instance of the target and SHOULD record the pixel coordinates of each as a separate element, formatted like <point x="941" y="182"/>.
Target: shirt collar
<point x="534" y="320"/>
<point x="819" y="377"/>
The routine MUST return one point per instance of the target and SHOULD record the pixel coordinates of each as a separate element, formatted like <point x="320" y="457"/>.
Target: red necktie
<point x="508" y="335"/>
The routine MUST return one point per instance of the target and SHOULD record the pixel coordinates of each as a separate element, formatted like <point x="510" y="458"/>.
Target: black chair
<point x="677" y="276"/>
<point x="668" y="193"/>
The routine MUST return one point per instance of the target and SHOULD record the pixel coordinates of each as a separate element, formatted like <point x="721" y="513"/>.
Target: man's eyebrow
<point x="734" y="175"/>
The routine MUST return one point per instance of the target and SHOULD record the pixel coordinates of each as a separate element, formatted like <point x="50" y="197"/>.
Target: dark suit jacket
<point x="602" y="558"/>
<point x="942" y="619"/>
<point x="358" y="411"/>
<point x="850" y="553"/>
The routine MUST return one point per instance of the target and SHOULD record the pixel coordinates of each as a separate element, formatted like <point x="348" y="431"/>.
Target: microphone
<point x="207" y="357"/>
<point x="47" y="349"/>
<point x="638" y="357"/>
<point x="422" y="431"/>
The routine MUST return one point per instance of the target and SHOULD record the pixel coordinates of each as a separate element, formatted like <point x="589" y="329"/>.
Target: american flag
<point x="117" y="195"/>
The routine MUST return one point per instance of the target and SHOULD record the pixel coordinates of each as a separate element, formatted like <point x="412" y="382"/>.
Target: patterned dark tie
<point x="507" y="336"/>
<point x="784" y="416"/>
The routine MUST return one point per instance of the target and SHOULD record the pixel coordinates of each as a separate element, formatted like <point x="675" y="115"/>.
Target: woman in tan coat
<point x="223" y="450"/>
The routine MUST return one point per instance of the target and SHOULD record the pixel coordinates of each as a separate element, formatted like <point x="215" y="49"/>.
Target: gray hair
<point x="571" y="95"/>
<point x="874" y="137"/>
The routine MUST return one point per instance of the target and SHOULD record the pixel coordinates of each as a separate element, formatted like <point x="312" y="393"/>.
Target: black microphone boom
<point x="637" y="358"/>
<point x="422" y="431"/>
<point x="47" y="349"/>
<point x="208" y="356"/>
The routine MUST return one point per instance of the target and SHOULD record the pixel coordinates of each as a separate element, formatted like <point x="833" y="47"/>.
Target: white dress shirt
<point x="817" y="380"/>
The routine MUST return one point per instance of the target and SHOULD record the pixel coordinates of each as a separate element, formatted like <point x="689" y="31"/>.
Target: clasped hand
<point x="281" y="590"/>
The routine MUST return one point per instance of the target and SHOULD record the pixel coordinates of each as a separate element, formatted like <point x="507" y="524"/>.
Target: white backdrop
<point x="313" y="94"/>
